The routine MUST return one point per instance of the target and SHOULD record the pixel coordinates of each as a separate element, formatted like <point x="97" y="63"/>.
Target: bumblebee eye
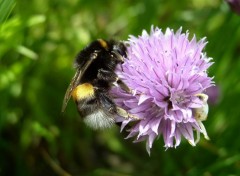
<point x="117" y="56"/>
<point x="121" y="49"/>
<point x="122" y="52"/>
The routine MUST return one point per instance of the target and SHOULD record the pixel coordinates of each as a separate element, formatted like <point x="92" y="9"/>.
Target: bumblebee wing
<point x="70" y="89"/>
<point x="75" y="80"/>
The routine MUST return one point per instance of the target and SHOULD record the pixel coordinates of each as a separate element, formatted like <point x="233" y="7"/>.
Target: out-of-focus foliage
<point x="38" y="42"/>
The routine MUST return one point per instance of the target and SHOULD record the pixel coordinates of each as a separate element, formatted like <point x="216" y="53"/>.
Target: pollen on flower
<point x="166" y="72"/>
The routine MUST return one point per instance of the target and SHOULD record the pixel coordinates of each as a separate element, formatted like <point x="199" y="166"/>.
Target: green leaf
<point x="6" y="6"/>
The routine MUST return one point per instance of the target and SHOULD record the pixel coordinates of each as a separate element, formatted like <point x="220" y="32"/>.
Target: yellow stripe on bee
<point x="83" y="91"/>
<point x="103" y="43"/>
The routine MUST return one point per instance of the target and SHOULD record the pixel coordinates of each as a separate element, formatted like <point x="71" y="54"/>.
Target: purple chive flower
<point x="234" y="5"/>
<point x="166" y="72"/>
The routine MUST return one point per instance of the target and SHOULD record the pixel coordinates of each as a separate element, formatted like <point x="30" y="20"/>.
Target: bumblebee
<point x="94" y="77"/>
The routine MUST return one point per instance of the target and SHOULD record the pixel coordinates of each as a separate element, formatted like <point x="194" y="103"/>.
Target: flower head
<point x="166" y="72"/>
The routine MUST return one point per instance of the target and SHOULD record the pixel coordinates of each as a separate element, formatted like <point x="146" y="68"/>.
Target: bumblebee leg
<point x="106" y="75"/>
<point x="109" y="106"/>
<point x="111" y="77"/>
<point x="123" y="85"/>
<point x="121" y="112"/>
<point x="106" y="103"/>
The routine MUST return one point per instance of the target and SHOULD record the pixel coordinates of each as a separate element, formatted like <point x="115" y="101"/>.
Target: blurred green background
<point x="38" y="43"/>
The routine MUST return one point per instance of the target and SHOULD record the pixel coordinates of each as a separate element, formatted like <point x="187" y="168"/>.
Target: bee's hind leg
<point x="123" y="113"/>
<point x="112" y="77"/>
<point x="122" y="85"/>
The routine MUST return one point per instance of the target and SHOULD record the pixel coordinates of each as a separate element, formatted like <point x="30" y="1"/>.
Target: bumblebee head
<point x="120" y="48"/>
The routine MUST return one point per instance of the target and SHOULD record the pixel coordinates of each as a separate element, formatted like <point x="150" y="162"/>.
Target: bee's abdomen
<point x="93" y="113"/>
<point x="95" y="110"/>
<point x="84" y="97"/>
<point x="99" y="119"/>
<point x="83" y="91"/>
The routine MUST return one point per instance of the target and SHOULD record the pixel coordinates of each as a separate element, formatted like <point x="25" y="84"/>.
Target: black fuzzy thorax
<point x="104" y="61"/>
